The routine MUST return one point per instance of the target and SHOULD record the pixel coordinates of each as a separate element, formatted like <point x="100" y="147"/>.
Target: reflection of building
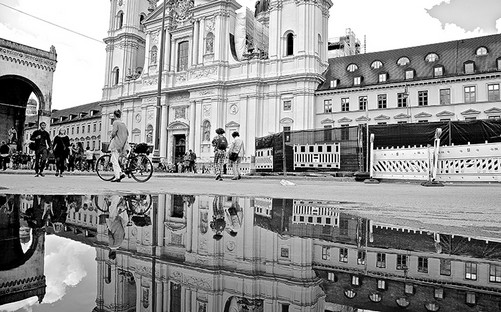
<point x="22" y="261"/>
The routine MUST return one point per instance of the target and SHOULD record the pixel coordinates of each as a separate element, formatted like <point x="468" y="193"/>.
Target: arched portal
<point x="24" y="72"/>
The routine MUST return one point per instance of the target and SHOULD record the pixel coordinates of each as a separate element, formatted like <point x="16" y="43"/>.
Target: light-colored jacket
<point x="237" y="146"/>
<point x="119" y="136"/>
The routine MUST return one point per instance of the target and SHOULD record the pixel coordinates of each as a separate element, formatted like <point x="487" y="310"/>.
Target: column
<point x="167" y="52"/>
<point x="172" y="62"/>
<point x="191" y="139"/>
<point x="201" y="34"/>
<point x="142" y="125"/>
<point x="161" y="227"/>
<point x="217" y="38"/>
<point x="163" y="131"/>
<point x="194" y="45"/>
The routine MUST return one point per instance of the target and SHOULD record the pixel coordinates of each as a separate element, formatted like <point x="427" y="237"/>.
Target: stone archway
<point x="24" y="71"/>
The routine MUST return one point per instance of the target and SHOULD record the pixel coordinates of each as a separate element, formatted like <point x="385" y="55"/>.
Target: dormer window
<point x="376" y="65"/>
<point x="469" y="67"/>
<point x="438" y="71"/>
<point x="409" y="74"/>
<point x="334" y="83"/>
<point x="403" y="61"/>
<point x="72" y="116"/>
<point x="383" y="77"/>
<point x="352" y="67"/>
<point x="481" y="51"/>
<point x="357" y="80"/>
<point x="431" y="57"/>
<point x="82" y="114"/>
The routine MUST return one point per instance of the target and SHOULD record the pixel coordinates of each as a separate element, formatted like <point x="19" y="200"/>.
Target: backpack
<point x="222" y="143"/>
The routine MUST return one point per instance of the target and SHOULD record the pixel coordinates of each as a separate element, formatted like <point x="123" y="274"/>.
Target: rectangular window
<point x="409" y="74"/>
<point x="285" y="307"/>
<point x="334" y="83"/>
<point x="469" y="68"/>
<point x="470" y="298"/>
<point x="401" y="262"/>
<point x="495" y="273"/>
<point x="287" y="133"/>
<point x="345" y="133"/>
<point x="83" y="129"/>
<point x="438" y="71"/>
<point x="357" y="81"/>
<point x="445" y="96"/>
<point x="287" y="105"/>
<point x="327" y="106"/>
<point x="382" y="77"/>
<point x="493" y="92"/>
<point x="499" y="63"/>
<point x="381" y="101"/>
<point x="78" y="129"/>
<point x="422" y="265"/>
<point x="362" y="103"/>
<point x="328" y="133"/>
<point x="470" y="94"/>
<point x="422" y="98"/>
<point x="343" y="227"/>
<point x="402" y="99"/>
<point x="345" y="104"/>
<point x="88" y="128"/>
<point x="343" y="255"/>
<point x="94" y="127"/>
<point x="381" y="260"/>
<point x="331" y="276"/>
<point x="182" y="57"/>
<point x="325" y="253"/>
<point x="361" y="257"/>
<point x="470" y="271"/>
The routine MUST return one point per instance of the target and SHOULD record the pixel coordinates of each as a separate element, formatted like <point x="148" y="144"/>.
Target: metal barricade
<point x="317" y="156"/>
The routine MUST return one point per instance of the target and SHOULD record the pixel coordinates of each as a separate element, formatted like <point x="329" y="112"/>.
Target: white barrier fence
<point x="317" y="156"/>
<point x="475" y="162"/>
<point x="264" y="158"/>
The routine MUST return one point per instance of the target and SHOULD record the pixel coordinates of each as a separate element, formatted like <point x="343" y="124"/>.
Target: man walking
<point x="118" y="145"/>
<point x="193" y="157"/>
<point x="42" y="144"/>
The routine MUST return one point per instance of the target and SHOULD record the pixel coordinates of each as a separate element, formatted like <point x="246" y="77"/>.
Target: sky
<point x="382" y="25"/>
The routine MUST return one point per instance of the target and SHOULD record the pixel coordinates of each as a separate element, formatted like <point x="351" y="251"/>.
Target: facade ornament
<point x="233" y="109"/>
<point x="179" y="112"/>
<point x="206" y="110"/>
<point x="209" y="25"/>
<point x="154" y="37"/>
<point x="182" y="10"/>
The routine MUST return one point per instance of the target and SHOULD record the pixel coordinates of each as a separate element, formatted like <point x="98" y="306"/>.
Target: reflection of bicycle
<point x="135" y="165"/>
<point x="136" y="206"/>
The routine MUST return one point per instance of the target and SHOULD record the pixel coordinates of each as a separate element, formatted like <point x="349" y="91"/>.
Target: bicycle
<point x="135" y="165"/>
<point x="136" y="206"/>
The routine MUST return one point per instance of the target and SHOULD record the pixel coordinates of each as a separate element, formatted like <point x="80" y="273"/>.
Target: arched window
<point x="209" y="43"/>
<point x="141" y="19"/>
<point x="350" y="293"/>
<point x="403" y="61"/>
<point x="153" y="55"/>
<point x="376" y="65"/>
<point x="482" y="51"/>
<point x="352" y="67"/>
<point x="120" y="19"/>
<point x="431" y="57"/>
<point x="116" y="75"/>
<point x="206" y="131"/>
<point x="289" y="40"/>
<point x="402" y="302"/>
<point x="375" y="297"/>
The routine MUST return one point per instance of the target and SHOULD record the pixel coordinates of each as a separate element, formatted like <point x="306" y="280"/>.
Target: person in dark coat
<point x="4" y="155"/>
<point x="61" y="151"/>
<point x="42" y="145"/>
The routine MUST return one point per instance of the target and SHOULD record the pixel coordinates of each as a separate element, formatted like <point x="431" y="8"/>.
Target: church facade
<point x="221" y="66"/>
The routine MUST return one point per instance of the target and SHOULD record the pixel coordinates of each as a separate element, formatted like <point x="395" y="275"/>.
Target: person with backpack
<point x="220" y="144"/>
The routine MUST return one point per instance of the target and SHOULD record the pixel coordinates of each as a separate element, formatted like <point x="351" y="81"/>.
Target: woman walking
<point x="61" y="150"/>
<point x="235" y="154"/>
<point x="220" y="144"/>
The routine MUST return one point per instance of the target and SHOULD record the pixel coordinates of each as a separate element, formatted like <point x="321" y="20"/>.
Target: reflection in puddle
<point x="175" y="252"/>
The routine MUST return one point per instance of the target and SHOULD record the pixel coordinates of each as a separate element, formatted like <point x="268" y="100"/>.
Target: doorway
<point x="179" y="147"/>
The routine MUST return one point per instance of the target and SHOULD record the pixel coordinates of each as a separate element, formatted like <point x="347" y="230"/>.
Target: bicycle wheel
<point x="139" y="204"/>
<point x="104" y="168"/>
<point x="141" y="168"/>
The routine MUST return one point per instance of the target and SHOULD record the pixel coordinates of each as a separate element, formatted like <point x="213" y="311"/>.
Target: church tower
<point x="125" y="44"/>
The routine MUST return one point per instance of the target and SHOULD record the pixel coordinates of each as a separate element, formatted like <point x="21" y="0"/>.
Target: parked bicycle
<point x="136" y="165"/>
<point x="136" y="206"/>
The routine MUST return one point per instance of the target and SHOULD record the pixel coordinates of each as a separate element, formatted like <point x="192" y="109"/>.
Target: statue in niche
<point x="153" y="55"/>
<point x="149" y="134"/>
<point x="206" y="131"/>
<point x="209" y="43"/>
<point x="261" y="6"/>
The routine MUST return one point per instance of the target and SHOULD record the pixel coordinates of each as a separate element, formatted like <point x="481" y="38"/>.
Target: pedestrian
<point x="4" y="155"/>
<point x="220" y="144"/>
<point x="89" y="158"/>
<point x="61" y="150"/>
<point x="42" y="142"/>
<point x="77" y="152"/>
<point x="116" y="223"/>
<point x="71" y="157"/>
<point x="186" y="162"/>
<point x="118" y="145"/>
<point x="235" y="154"/>
<point x="193" y="158"/>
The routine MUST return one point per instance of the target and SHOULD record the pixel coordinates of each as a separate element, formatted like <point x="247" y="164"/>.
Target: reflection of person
<point x="220" y="144"/>
<point x="42" y="144"/>
<point x="237" y="146"/>
<point x="116" y="223"/>
<point x="61" y="150"/>
<point x="234" y="216"/>
<point x="118" y="145"/>
<point x="218" y="223"/>
<point x="4" y="155"/>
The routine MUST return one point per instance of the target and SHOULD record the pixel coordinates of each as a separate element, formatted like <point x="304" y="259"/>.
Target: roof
<point x="452" y="55"/>
<point x="76" y="112"/>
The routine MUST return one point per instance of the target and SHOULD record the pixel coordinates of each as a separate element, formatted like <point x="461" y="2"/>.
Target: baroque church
<point x="220" y="66"/>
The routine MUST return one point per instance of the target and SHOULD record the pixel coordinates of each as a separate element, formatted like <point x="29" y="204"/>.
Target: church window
<point x="120" y="20"/>
<point x="153" y="55"/>
<point x="116" y="75"/>
<point x="209" y="43"/>
<point x="182" y="57"/>
<point x="289" y="44"/>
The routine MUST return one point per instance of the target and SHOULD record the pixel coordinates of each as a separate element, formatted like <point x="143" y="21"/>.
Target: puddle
<point x="221" y="253"/>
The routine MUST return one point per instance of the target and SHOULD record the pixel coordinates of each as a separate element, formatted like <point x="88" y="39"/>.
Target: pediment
<point x="344" y="119"/>
<point x="381" y="117"/>
<point x="232" y="124"/>
<point x="327" y="121"/>
<point x="470" y="111"/>
<point x="402" y="116"/>
<point x="286" y="120"/>
<point x="156" y="14"/>
<point x="493" y="110"/>
<point x="178" y="125"/>
<point x="362" y="118"/>
<point x="423" y="115"/>
<point x="445" y="114"/>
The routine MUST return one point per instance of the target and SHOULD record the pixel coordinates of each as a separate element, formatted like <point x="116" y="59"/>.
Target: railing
<point x="317" y="156"/>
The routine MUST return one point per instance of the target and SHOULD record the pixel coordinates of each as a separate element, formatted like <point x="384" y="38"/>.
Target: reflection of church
<point x="253" y="71"/>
